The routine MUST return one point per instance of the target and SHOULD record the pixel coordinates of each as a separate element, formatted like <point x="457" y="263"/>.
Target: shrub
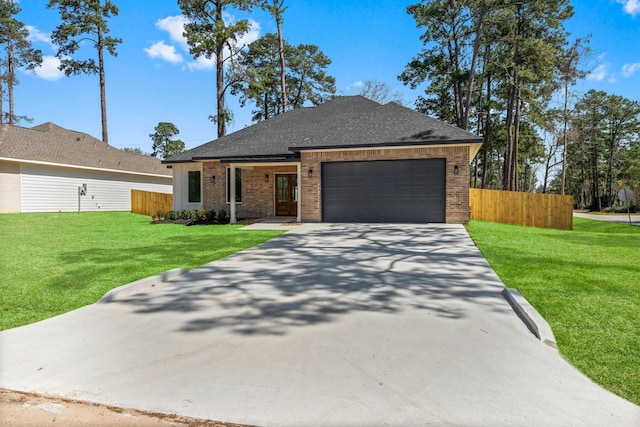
<point x="222" y="216"/>
<point x="193" y="216"/>
<point x="623" y="209"/>
<point x="203" y="215"/>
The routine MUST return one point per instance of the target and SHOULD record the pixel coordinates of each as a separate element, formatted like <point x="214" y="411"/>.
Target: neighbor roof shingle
<point x="50" y="143"/>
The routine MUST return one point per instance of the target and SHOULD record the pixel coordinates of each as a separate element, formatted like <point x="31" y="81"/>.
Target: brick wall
<point x="258" y="195"/>
<point x="214" y="192"/>
<point x="457" y="191"/>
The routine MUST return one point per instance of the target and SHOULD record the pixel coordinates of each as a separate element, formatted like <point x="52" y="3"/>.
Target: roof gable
<point x="50" y="143"/>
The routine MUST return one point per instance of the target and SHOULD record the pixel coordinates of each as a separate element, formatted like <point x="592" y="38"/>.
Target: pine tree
<point x="85" y="20"/>
<point x="17" y="52"/>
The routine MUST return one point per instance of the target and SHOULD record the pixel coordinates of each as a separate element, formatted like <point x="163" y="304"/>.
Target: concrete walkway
<point x="327" y="325"/>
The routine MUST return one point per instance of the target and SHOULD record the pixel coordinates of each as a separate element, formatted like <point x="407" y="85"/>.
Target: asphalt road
<point x="632" y="219"/>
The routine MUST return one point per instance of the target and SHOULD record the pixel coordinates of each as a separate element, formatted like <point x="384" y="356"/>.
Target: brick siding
<point x="258" y="195"/>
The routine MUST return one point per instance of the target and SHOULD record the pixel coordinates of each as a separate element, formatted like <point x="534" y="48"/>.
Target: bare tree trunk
<point x="283" y="69"/>
<point x="11" y="77"/>
<point x="487" y="126"/>
<point x="266" y="105"/>
<point x="472" y="71"/>
<point x="103" y="95"/>
<point x="595" y="184"/>
<point x="2" y="82"/>
<point x="485" y="156"/>
<point x="457" y="86"/>
<point x="610" y="169"/>
<point x="475" y="172"/>
<point x="508" y="157"/>
<point x="453" y="53"/>
<point x="516" y="140"/>
<point x="220" y="107"/>
<point x="221" y="113"/>
<point x="548" y="165"/>
<point x="565" y="125"/>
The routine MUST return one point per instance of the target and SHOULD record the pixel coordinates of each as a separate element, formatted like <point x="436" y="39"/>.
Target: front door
<point x="286" y="195"/>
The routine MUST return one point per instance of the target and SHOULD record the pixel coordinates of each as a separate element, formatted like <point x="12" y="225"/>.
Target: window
<point x="194" y="187"/>
<point x="238" y="185"/>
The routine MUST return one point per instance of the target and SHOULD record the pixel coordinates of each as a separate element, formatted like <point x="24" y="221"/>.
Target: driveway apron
<point x="326" y="325"/>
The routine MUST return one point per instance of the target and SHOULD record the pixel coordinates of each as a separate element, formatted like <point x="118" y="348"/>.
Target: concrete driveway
<point x="327" y="325"/>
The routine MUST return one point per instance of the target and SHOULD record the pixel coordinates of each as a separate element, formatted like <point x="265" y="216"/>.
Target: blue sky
<point x="154" y="78"/>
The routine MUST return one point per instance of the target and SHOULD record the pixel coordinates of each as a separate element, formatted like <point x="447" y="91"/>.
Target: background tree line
<point x="504" y="69"/>
<point x="247" y="71"/>
<point x="501" y="68"/>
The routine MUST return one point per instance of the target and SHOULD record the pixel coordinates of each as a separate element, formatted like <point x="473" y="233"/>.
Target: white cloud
<point x="35" y="35"/>
<point x="174" y="26"/>
<point x="49" y="69"/>
<point x="252" y="35"/>
<point x="632" y="7"/>
<point x="599" y="73"/>
<point x="202" y="64"/>
<point x="165" y="52"/>
<point x="630" y="69"/>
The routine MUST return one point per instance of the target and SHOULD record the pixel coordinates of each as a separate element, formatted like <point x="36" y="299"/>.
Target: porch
<point x="262" y="189"/>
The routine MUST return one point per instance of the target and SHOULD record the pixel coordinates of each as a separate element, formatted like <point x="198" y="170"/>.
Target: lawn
<point x="585" y="283"/>
<point x="54" y="263"/>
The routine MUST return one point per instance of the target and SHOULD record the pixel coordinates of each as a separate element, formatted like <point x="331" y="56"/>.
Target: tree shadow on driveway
<point x="316" y="276"/>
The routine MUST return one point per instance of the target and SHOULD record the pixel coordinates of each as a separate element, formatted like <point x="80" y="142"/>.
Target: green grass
<point x="585" y="283"/>
<point x="54" y="263"/>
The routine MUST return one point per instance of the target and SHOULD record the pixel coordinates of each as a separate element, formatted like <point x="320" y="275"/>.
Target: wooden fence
<point x="532" y="209"/>
<point x="149" y="203"/>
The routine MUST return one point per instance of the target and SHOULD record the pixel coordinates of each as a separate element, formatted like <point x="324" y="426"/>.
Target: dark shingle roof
<point x="53" y="144"/>
<point x="389" y="125"/>
<point x="346" y="121"/>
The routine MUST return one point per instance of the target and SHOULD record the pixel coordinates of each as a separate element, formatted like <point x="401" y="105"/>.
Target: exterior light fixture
<point x="213" y="179"/>
<point x="266" y="177"/>
<point x="310" y="173"/>
<point x="456" y="170"/>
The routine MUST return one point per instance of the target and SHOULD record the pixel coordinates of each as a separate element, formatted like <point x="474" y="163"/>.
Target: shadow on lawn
<point x="598" y="233"/>
<point x="105" y="268"/>
<point x="309" y="278"/>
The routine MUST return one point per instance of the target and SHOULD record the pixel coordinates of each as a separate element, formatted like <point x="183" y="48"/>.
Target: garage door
<point x="410" y="191"/>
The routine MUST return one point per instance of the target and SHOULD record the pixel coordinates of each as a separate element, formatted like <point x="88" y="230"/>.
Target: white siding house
<point x="42" y="169"/>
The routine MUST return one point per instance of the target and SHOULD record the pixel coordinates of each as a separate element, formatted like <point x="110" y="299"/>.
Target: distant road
<point x="622" y="219"/>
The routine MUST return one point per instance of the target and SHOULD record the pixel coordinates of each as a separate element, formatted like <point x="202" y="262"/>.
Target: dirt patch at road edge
<point x="29" y="409"/>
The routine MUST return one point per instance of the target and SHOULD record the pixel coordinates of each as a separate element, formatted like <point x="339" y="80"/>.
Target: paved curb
<point x="531" y="318"/>
<point x="142" y="284"/>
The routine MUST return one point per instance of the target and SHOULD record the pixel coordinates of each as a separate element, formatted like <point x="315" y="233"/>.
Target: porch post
<point x="232" y="194"/>
<point x="299" y="189"/>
